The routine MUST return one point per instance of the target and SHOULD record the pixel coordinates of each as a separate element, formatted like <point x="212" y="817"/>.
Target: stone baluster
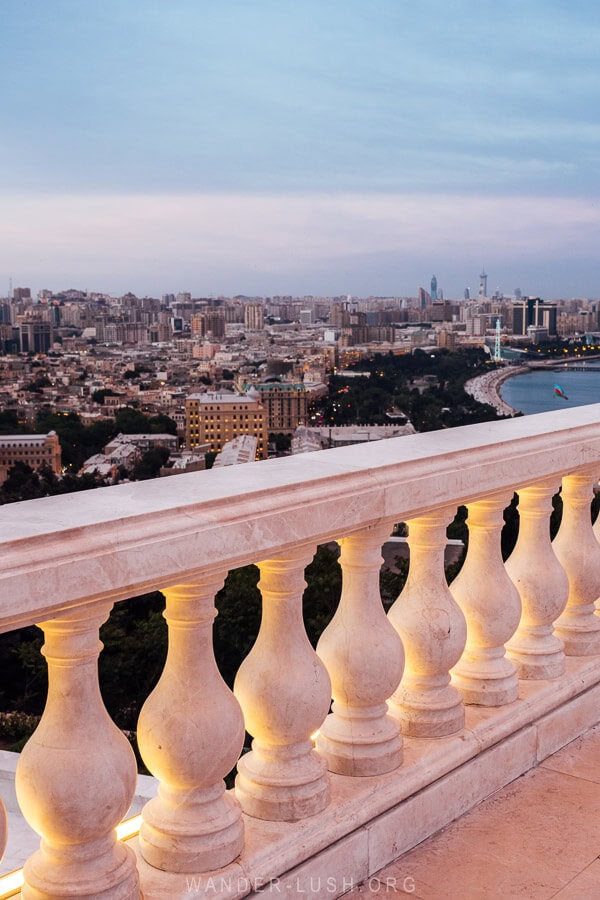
<point x="3" y="829"/>
<point x="365" y="660"/>
<point x="285" y="692"/>
<point x="542" y="584"/>
<point x="433" y="631"/>
<point x="76" y="775"/>
<point x="578" y="552"/>
<point x="492" y="608"/>
<point x="190" y="734"/>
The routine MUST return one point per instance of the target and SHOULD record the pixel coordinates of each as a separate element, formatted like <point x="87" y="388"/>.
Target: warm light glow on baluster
<point x="433" y="632"/>
<point x="285" y="692"/>
<point x="542" y="584"/>
<point x="3" y="829"/>
<point x="365" y="659"/>
<point x="190" y="734"/>
<point x="77" y="774"/>
<point x="578" y="552"/>
<point x="492" y="608"/>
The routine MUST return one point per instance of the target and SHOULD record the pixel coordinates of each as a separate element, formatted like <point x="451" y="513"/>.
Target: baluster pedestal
<point x="492" y="608"/>
<point x="285" y="692"/>
<point x="76" y="775"/>
<point x="433" y="632"/>
<point x="190" y="734"/>
<point x="543" y="587"/>
<point x="365" y="659"/>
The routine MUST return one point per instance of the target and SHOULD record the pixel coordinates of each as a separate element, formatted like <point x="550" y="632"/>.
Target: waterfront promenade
<point x="486" y="388"/>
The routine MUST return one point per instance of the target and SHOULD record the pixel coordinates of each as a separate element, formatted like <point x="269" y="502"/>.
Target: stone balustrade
<point x="467" y="684"/>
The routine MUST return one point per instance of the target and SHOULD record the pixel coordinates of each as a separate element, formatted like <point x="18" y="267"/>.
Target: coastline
<point x="486" y="388"/>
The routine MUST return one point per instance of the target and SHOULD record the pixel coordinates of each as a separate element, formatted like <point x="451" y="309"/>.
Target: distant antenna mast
<point x="497" y="350"/>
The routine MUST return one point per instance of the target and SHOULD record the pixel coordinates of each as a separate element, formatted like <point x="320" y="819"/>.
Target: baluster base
<point x="428" y="707"/>
<point x="107" y="870"/>
<point x="537" y="654"/>
<point x="282" y="784"/>
<point x="360" y="741"/>
<point x="191" y="831"/>
<point x="487" y="681"/>
<point x="582" y="639"/>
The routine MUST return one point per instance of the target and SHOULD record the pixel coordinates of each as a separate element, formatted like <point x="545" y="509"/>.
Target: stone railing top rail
<point x="120" y="541"/>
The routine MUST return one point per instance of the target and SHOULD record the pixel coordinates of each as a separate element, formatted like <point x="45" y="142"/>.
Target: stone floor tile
<point x="585" y="886"/>
<point x="530" y="840"/>
<point x="580" y="758"/>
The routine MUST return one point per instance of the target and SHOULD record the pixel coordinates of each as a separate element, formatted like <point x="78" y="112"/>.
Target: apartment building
<point x="35" y="450"/>
<point x="217" y="417"/>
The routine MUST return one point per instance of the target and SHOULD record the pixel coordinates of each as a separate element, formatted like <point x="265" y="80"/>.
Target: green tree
<point x="150" y="463"/>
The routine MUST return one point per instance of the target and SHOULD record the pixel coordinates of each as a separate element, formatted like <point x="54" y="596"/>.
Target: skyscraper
<point x="434" y="295"/>
<point x="483" y="284"/>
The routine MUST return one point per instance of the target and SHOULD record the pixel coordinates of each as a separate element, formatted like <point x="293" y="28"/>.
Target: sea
<point x="533" y="392"/>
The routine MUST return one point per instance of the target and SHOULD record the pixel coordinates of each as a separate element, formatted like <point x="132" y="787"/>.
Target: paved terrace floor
<point x="537" y="838"/>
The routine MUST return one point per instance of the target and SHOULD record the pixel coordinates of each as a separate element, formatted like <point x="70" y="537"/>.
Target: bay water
<point x="533" y="392"/>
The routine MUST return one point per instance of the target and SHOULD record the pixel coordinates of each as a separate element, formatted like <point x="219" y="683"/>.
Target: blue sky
<point x="296" y="146"/>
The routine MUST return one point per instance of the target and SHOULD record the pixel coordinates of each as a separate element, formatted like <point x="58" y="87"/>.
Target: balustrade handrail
<point x="412" y="673"/>
<point x="116" y="542"/>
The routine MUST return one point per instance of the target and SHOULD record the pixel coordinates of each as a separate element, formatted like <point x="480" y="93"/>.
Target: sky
<point x="298" y="147"/>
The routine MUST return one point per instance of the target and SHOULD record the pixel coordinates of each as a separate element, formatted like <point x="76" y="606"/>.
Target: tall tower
<point x="434" y="295"/>
<point x="483" y="284"/>
<point x="497" y="347"/>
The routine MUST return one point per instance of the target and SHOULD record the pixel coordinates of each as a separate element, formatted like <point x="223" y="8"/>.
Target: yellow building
<point x="35" y="450"/>
<point x="214" y="418"/>
<point x="286" y="405"/>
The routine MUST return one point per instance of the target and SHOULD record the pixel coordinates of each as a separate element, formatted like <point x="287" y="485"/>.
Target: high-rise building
<point x="424" y="298"/>
<point x="214" y="418"/>
<point x="434" y="294"/>
<point x="254" y="316"/>
<point x="483" y="284"/>
<point x="534" y="312"/>
<point x="35" y="336"/>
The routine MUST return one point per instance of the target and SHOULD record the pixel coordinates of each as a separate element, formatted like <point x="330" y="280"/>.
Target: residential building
<point x="35" y="450"/>
<point x="285" y="404"/>
<point x="254" y="316"/>
<point x="35" y="336"/>
<point x="217" y="417"/>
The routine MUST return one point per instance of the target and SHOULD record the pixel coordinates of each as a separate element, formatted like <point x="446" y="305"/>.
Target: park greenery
<point x="427" y="387"/>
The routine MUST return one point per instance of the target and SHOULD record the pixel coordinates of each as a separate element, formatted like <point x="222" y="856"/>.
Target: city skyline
<point x="315" y="149"/>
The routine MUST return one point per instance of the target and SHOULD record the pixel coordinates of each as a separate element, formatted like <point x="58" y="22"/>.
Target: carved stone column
<point x="190" y="734"/>
<point x="433" y="631"/>
<point x="542" y="584"/>
<point x="492" y="608"/>
<point x="578" y="552"/>
<point x="285" y="692"/>
<point x="76" y="775"/>
<point x="3" y="829"/>
<point x="365" y="659"/>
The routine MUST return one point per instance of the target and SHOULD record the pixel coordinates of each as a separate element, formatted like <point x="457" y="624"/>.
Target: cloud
<point x="220" y="240"/>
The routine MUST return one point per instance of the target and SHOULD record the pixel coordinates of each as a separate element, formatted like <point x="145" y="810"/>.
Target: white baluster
<point x="492" y="608"/>
<point x="433" y="631"/>
<point x="3" y="829"/>
<point x="285" y="692"/>
<point x="578" y="552"/>
<point x="190" y="734"/>
<point x="542" y="584"/>
<point x="76" y="776"/>
<point x="365" y="659"/>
